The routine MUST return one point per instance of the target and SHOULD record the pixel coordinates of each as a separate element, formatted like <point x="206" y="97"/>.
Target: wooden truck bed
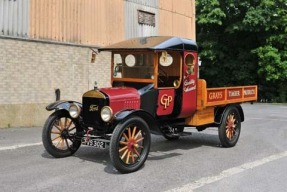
<point x="209" y="98"/>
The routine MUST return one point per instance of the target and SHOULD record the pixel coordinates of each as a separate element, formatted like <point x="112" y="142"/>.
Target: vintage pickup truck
<point x="154" y="89"/>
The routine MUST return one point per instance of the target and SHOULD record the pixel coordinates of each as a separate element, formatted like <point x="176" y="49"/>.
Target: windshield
<point x="162" y="68"/>
<point x="133" y="65"/>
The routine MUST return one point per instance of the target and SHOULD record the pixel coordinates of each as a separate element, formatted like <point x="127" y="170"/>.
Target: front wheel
<point x="130" y="145"/>
<point x="230" y="127"/>
<point x="59" y="134"/>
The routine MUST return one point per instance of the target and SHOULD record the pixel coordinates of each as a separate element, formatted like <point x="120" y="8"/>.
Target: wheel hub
<point x="65" y="134"/>
<point x="230" y="127"/>
<point x="131" y="144"/>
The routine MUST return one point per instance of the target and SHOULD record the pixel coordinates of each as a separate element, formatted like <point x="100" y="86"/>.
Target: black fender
<point x="219" y="111"/>
<point x="62" y="104"/>
<point x="147" y="117"/>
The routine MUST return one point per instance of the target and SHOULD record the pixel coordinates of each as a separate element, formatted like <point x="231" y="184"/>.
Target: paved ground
<point x="194" y="163"/>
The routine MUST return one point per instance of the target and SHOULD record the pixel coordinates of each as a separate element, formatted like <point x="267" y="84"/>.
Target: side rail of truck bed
<point x="224" y="95"/>
<point x="209" y="98"/>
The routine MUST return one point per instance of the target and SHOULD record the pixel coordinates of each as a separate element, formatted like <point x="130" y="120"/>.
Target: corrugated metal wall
<point x="177" y="18"/>
<point x="132" y="27"/>
<point x="14" y="17"/>
<point x="97" y="22"/>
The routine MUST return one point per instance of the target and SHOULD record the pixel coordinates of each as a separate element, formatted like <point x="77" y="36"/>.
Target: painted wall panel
<point x="182" y="7"/>
<point x="166" y="23"/>
<point x="89" y="22"/>
<point x="166" y="5"/>
<point x="94" y="22"/>
<point x="177" y="18"/>
<point x="149" y="3"/>
<point x="182" y="26"/>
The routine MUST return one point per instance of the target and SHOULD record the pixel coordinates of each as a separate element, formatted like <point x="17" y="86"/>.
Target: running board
<point x="182" y="134"/>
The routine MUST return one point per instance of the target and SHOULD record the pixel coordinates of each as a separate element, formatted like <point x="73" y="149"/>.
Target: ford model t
<point x="154" y="89"/>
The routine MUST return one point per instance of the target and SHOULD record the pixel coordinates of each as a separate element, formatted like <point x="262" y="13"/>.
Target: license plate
<point x="96" y="143"/>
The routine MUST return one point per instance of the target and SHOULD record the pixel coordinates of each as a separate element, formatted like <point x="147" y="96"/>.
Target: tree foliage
<point x="244" y="42"/>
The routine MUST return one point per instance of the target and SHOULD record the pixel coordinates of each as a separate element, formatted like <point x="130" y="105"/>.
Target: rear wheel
<point x="230" y="127"/>
<point x="59" y="133"/>
<point x="130" y="145"/>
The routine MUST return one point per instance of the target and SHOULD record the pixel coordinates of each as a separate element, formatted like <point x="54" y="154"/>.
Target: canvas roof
<point x="154" y="43"/>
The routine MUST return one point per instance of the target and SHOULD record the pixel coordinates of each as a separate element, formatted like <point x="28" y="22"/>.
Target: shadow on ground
<point x="160" y="149"/>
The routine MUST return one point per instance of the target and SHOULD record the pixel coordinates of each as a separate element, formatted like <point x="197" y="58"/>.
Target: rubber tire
<point x="114" y="145"/>
<point x="225" y="142"/>
<point x="46" y="136"/>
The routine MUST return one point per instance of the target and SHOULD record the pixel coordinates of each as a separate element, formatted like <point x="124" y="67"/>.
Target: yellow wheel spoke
<point x="126" y="137"/>
<point x="139" y="140"/>
<point x="59" y="142"/>
<point x="61" y="124"/>
<point x="136" y="152"/>
<point x="229" y="134"/>
<point x="56" y="138"/>
<point x="55" y="132"/>
<point x="137" y="135"/>
<point x="66" y="121"/>
<point x="128" y="157"/>
<point x="66" y="141"/>
<point x="123" y="156"/>
<point x="72" y="129"/>
<point x="62" y="144"/>
<point x="123" y="149"/>
<point x="123" y="143"/>
<point x="57" y="126"/>
<point x="133" y="158"/>
<point x="129" y="131"/>
<point x="139" y="146"/>
<point x="131" y="145"/>
<point x="69" y="124"/>
<point x="134" y="132"/>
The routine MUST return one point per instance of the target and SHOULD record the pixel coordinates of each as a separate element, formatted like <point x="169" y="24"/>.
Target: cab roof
<point x="154" y="43"/>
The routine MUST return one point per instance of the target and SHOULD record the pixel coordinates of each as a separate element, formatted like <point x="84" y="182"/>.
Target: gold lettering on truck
<point x="249" y="92"/>
<point x="165" y="100"/>
<point x="234" y="93"/>
<point x="215" y="95"/>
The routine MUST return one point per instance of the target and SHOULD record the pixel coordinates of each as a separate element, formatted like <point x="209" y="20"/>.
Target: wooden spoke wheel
<point x="130" y="144"/>
<point x="229" y="129"/>
<point x="59" y="135"/>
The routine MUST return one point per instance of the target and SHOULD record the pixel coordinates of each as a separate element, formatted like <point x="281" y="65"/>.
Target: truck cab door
<point x="169" y="74"/>
<point x="177" y="84"/>
<point x="189" y="80"/>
